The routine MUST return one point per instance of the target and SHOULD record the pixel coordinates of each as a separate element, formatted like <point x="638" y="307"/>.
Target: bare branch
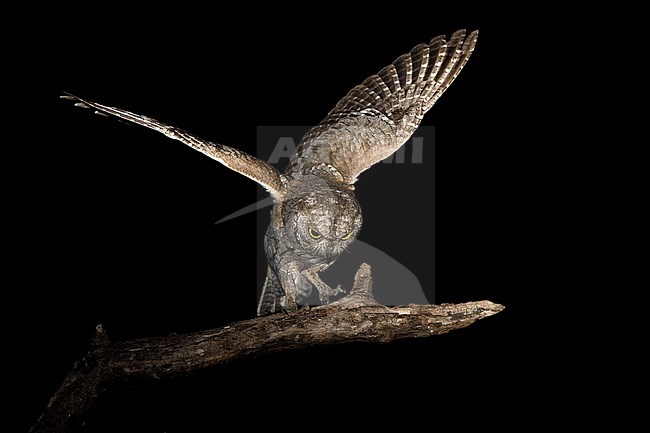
<point x="159" y="357"/>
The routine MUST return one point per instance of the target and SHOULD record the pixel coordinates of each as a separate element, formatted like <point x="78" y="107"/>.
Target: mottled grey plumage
<point x="316" y="214"/>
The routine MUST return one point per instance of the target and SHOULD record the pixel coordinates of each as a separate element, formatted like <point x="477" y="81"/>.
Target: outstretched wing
<point x="235" y="159"/>
<point x="376" y="117"/>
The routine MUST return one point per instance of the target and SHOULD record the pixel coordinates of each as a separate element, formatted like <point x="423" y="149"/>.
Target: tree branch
<point x="354" y="318"/>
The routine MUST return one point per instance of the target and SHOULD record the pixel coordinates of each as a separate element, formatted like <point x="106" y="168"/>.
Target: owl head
<point x="323" y="221"/>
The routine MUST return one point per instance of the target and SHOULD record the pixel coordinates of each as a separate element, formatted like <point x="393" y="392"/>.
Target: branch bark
<point x="356" y="318"/>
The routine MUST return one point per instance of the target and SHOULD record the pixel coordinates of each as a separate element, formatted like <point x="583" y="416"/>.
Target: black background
<point x="115" y="223"/>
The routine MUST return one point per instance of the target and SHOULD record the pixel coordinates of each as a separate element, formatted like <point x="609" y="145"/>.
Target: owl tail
<point x="272" y="294"/>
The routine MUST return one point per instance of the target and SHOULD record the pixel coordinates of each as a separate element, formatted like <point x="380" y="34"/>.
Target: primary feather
<point x="376" y="117"/>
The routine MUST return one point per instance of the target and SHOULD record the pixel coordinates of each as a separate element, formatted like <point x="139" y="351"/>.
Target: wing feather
<point x="376" y="117"/>
<point x="235" y="159"/>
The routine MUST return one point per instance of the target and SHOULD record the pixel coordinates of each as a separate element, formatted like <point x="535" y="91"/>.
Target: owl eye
<point x="314" y="234"/>
<point x="346" y="237"/>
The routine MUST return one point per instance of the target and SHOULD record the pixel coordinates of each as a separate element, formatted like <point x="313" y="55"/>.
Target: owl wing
<point x="376" y="117"/>
<point x="235" y="159"/>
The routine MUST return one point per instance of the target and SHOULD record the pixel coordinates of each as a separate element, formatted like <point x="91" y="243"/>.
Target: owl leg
<point x="272" y="294"/>
<point x="324" y="291"/>
<point x="291" y="280"/>
<point x="304" y="289"/>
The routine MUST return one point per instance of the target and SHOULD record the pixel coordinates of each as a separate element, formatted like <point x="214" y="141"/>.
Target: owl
<point x="316" y="215"/>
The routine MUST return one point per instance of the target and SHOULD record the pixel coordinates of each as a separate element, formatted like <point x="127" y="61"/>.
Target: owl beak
<point x="331" y="255"/>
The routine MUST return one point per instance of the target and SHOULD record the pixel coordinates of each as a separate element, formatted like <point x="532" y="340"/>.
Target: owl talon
<point x="324" y="297"/>
<point x="324" y="293"/>
<point x="289" y="305"/>
<point x="290" y="310"/>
